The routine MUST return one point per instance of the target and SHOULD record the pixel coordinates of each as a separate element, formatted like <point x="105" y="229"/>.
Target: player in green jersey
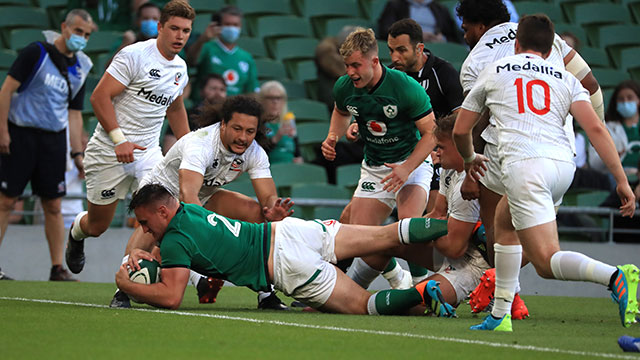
<point x="294" y="255"/>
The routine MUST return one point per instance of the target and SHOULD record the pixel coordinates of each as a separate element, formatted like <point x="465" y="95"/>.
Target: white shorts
<point x="464" y="273"/>
<point x="492" y="176"/>
<point x="534" y="187"/>
<point x="109" y="180"/>
<point x="303" y="254"/>
<point x="370" y="183"/>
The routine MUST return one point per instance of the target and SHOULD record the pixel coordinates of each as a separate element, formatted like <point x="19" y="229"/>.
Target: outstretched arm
<point x="273" y="207"/>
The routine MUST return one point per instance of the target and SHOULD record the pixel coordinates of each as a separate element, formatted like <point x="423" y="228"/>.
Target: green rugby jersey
<point x="214" y="245"/>
<point x="386" y="114"/>
<point x="236" y="67"/>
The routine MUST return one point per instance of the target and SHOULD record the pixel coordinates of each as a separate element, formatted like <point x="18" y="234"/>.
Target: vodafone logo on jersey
<point x="231" y="77"/>
<point x="376" y="128"/>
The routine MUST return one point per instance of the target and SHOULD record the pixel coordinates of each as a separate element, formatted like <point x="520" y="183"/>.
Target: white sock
<point x="570" y="265"/>
<point x="362" y="273"/>
<point x="194" y="277"/>
<point x="508" y="259"/>
<point x="76" y="230"/>
<point x="395" y="274"/>
<point x="371" y="305"/>
<point x="518" y="287"/>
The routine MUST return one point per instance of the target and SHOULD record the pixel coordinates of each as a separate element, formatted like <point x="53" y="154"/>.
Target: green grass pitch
<point x="45" y="320"/>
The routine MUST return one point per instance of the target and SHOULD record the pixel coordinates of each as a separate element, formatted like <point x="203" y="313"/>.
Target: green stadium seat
<point x="87" y="108"/>
<point x="200" y="23"/>
<point x="12" y="17"/>
<point x="282" y="26"/>
<point x="243" y="187"/>
<point x="629" y="58"/>
<point x="634" y="7"/>
<point x="270" y="69"/>
<point x="606" y="95"/>
<point x="533" y="7"/>
<point x="347" y="176"/>
<point x="90" y="123"/>
<point x="600" y="13"/>
<point x="449" y="4"/>
<point x="310" y="136"/>
<point x="595" y="57"/>
<point x="635" y="74"/>
<point x="307" y="110"/>
<point x="295" y="89"/>
<point x="293" y="48"/>
<point x="7" y="57"/>
<point x="207" y="6"/>
<point x="371" y="9"/>
<point x="252" y="10"/>
<point x="591" y="198"/>
<point x="332" y="27"/>
<point x="254" y="46"/>
<point x="576" y="30"/>
<point x="103" y="42"/>
<point x="303" y="70"/>
<point x="20" y="38"/>
<point x="55" y="10"/>
<point x="287" y="175"/>
<point x="568" y="6"/>
<point x="15" y="2"/>
<point x="383" y="52"/>
<point x="451" y="52"/>
<point x="327" y="212"/>
<point x="318" y="191"/>
<point x="321" y="11"/>
<point x="100" y="63"/>
<point x="3" y="75"/>
<point x="609" y="78"/>
<point x="613" y="35"/>
<point x="90" y="84"/>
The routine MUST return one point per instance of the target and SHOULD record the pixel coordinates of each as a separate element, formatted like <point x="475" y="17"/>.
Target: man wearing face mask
<point x="147" y="18"/>
<point x="42" y="94"/>
<point x="216" y="51"/>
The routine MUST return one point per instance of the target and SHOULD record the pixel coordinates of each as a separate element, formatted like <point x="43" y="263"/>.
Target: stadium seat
<point x="321" y="11"/>
<point x="303" y="70"/>
<point x="200" y="23"/>
<point x="293" y="48"/>
<point x="628" y="58"/>
<point x="327" y="212"/>
<point x="595" y="57"/>
<point x="103" y="42"/>
<point x="243" y="187"/>
<point x="253" y="46"/>
<point x="591" y="198"/>
<point x="252" y="10"/>
<point x="600" y="13"/>
<point x="15" y="2"/>
<point x="383" y="52"/>
<point x="90" y="84"/>
<point x="207" y="6"/>
<point x="270" y="69"/>
<point x="609" y="78"/>
<point x="3" y="75"/>
<point x="307" y="110"/>
<point x="568" y="6"/>
<point x="282" y="26"/>
<point x="332" y="27"/>
<point x="318" y="191"/>
<point x="451" y="52"/>
<point x="12" y="17"/>
<point x="310" y="136"/>
<point x="371" y="9"/>
<point x="613" y="35"/>
<point x="7" y="57"/>
<point x="55" y="10"/>
<point x="287" y="175"/>
<point x="20" y="38"/>
<point x="100" y="63"/>
<point x="634" y="7"/>
<point x="576" y="30"/>
<point x="90" y="124"/>
<point x="295" y="89"/>
<point x="533" y="7"/>
<point x="347" y="176"/>
<point x="87" y="108"/>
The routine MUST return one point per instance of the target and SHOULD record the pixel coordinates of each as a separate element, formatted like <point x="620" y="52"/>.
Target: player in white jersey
<point x="143" y="83"/>
<point x="200" y="163"/>
<point x="530" y="99"/>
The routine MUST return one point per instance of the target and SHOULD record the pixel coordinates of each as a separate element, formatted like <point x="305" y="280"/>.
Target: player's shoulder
<point x="255" y="153"/>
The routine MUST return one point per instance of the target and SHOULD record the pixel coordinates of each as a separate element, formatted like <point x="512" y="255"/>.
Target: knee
<point x="52" y="207"/>
<point x="544" y="270"/>
<point x="7" y="203"/>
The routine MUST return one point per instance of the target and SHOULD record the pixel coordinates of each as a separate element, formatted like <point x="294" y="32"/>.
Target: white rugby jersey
<point x="529" y="98"/>
<point x="203" y="152"/>
<point x="497" y="43"/>
<point x="152" y="84"/>
<point x="457" y="207"/>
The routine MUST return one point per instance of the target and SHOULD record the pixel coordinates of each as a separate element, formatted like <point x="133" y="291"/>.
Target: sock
<point x="194" y="277"/>
<point x="362" y="273"/>
<point x="392" y="265"/>
<point x="418" y="271"/>
<point x="508" y="259"/>
<point x="393" y="302"/>
<point x="420" y="230"/>
<point x="570" y="265"/>
<point x="518" y="287"/>
<point x="76" y="230"/>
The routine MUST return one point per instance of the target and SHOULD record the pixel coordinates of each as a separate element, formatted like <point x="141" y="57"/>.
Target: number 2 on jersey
<point x="234" y="229"/>
<point x="529" y="91"/>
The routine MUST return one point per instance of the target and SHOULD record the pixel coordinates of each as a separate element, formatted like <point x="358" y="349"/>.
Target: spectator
<point x="330" y="65"/>
<point x="214" y="91"/>
<point x="147" y="17"/>
<point x="622" y="122"/>
<point x="216" y="51"/>
<point x="571" y="40"/>
<point x="280" y="124"/>
<point x="434" y="18"/>
<point x="46" y="79"/>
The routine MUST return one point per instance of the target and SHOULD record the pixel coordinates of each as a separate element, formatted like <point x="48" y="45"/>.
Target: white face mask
<point x="627" y="108"/>
<point x="230" y="34"/>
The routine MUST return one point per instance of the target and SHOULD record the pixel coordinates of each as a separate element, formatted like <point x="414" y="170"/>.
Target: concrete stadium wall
<point x="24" y="255"/>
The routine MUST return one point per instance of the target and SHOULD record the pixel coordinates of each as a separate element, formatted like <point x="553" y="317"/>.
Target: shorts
<point x="464" y="273"/>
<point x="370" y="183"/>
<point x="534" y="187"/>
<point x="109" y="180"/>
<point x="303" y="254"/>
<point x="493" y="175"/>
<point x="38" y="156"/>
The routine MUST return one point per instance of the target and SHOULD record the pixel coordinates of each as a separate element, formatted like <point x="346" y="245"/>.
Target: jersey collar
<point x="384" y="73"/>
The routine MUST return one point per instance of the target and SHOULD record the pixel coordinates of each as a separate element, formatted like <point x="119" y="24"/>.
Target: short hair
<point x="179" y="8"/>
<point x="146" y="5"/>
<point x="361" y="39"/>
<point x="407" y="27"/>
<point x="612" y="111"/>
<point x="83" y="14"/>
<point x="150" y="194"/>
<point x="535" y="32"/>
<point x="444" y="126"/>
<point x="229" y="10"/>
<point x="486" y="12"/>
<point x="210" y="77"/>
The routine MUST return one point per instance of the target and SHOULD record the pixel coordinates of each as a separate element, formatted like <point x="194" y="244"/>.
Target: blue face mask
<point x="76" y="43"/>
<point x="230" y="34"/>
<point x="149" y="28"/>
<point x="627" y="108"/>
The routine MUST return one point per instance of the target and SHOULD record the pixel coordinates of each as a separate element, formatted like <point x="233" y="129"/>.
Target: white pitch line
<point x="343" y="329"/>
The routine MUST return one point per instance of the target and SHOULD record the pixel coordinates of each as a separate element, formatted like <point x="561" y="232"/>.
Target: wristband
<point x="76" y="154"/>
<point x="117" y="136"/>
<point x="469" y="159"/>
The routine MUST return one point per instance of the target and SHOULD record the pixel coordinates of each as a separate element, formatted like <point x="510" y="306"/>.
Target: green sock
<point x="421" y="230"/>
<point x="393" y="302"/>
<point x="417" y="270"/>
<point x="392" y="265"/>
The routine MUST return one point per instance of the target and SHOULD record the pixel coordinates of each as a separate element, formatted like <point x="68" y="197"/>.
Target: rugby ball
<point x="149" y="273"/>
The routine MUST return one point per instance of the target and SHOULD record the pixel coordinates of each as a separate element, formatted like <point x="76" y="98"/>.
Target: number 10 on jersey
<point x="521" y="88"/>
